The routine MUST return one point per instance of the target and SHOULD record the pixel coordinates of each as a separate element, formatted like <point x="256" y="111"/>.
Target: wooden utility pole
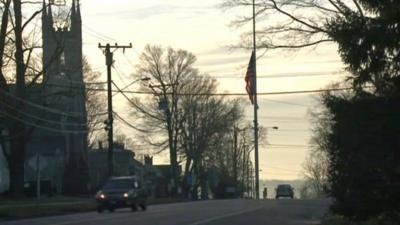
<point x="235" y="157"/>
<point x="109" y="124"/>
<point x="256" y="165"/>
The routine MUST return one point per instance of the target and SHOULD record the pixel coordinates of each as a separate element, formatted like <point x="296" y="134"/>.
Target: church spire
<point x="78" y="10"/>
<point x="44" y="12"/>
<point x="73" y="9"/>
<point x="50" y="16"/>
<point x="76" y="21"/>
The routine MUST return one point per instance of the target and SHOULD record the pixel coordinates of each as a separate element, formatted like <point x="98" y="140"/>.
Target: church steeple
<point x="50" y="17"/>
<point x="79" y="10"/>
<point x="73" y="9"/>
<point x="76" y="21"/>
<point x="44" y="12"/>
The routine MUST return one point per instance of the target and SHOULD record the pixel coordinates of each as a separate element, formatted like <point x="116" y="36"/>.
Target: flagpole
<point x="257" y="170"/>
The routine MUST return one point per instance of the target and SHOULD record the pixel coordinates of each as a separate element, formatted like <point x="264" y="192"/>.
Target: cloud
<point x="223" y="60"/>
<point x="157" y="10"/>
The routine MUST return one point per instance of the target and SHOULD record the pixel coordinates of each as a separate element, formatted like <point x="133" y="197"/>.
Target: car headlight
<point x="100" y="195"/>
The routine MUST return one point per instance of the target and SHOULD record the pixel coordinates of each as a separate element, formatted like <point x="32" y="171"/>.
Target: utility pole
<point x="109" y="124"/>
<point x="256" y="166"/>
<point x="235" y="158"/>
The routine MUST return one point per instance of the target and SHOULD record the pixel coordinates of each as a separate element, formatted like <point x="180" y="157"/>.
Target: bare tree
<point x="160" y="115"/>
<point x="316" y="174"/>
<point x="205" y="118"/>
<point x="22" y="70"/>
<point x="292" y="24"/>
<point x="96" y="103"/>
<point x="288" y="24"/>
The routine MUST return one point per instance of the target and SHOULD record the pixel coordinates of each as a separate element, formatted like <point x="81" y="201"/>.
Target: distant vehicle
<point x="284" y="190"/>
<point x="121" y="192"/>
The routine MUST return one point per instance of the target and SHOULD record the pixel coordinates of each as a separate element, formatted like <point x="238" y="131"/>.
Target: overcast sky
<point x="202" y="28"/>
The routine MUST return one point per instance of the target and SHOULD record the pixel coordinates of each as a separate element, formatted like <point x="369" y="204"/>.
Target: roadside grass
<point x="29" y="208"/>
<point x="55" y="199"/>
<point x="46" y="206"/>
<point x="381" y="220"/>
<point x="42" y="209"/>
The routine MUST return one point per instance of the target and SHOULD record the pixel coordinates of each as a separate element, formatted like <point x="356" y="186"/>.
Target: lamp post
<point x="109" y="121"/>
<point x="257" y="170"/>
<point x="170" y="110"/>
<point x="257" y="178"/>
<point x="130" y="84"/>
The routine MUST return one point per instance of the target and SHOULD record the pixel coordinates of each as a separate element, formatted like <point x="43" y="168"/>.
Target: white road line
<point x="224" y="216"/>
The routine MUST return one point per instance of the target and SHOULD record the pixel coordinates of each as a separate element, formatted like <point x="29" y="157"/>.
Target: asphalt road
<point x="221" y="212"/>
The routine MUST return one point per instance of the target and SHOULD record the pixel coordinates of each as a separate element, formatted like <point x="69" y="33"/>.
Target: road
<point x="221" y="212"/>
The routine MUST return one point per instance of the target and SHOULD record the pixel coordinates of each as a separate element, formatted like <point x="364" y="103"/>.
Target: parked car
<point x="121" y="192"/>
<point x="284" y="190"/>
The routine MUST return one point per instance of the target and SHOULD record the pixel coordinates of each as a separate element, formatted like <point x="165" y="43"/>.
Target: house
<point x="125" y="164"/>
<point x="162" y="181"/>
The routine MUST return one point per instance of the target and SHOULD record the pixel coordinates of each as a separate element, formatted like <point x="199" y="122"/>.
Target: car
<point x="121" y="192"/>
<point x="284" y="190"/>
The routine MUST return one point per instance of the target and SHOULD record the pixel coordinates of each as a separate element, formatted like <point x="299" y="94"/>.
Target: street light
<point x="257" y="181"/>
<point x="130" y="84"/>
<point x="256" y="163"/>
<point x="109" y="121"/>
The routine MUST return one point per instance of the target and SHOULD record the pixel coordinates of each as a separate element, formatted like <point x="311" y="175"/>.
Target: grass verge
<point x="20" y="209"/>
<point x="15" y="211"/>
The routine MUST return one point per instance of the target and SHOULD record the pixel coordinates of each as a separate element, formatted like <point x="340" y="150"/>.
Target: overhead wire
<point x="97" y="34"/>
<point x="286" y="102"/>
<point x="27" y="114"/>
<point x="220" y="94"/>
<point x="43" y="127"/>
<point x="279" y="168"/>
<point x="285" y="75"/>
<point x="47" y="109"/>
<point x="128" y="123"/>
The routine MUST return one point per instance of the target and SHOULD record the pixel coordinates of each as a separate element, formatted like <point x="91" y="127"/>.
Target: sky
<point x="202" y="28"/>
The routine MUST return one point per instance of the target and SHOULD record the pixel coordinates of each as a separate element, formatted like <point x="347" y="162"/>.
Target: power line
<point x="218" y="94"/>
<point x="44" y="127"/>
<point x="43" y="119"/>
<point x="283" y="169"/>
<point x="293" y="130"/>
<point x="284" y="145"/>
<point x="294" y="118"/>
<point x="98" y="34"/>
<point x="287" y="103"/>
<point x="286" y="75"/>
<point x="52" y="110"/>
<point x="128" y="60"/>
<point x="127" y="123"/>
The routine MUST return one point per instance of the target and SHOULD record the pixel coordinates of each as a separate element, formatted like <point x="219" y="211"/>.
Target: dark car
<point x="284" y="190"/>
<point x="121" y="192"/>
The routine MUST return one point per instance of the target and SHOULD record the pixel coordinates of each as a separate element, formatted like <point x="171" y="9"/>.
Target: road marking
<point x="224" y="216"/>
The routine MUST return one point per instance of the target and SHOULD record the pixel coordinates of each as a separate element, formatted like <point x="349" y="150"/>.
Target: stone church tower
<point x="64" y="89"/>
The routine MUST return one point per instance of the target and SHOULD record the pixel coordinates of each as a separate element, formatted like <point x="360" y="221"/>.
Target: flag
<point x="249" y="78"/>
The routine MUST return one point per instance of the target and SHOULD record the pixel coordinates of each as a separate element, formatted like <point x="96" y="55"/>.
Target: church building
<point x="62" y="150"/>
